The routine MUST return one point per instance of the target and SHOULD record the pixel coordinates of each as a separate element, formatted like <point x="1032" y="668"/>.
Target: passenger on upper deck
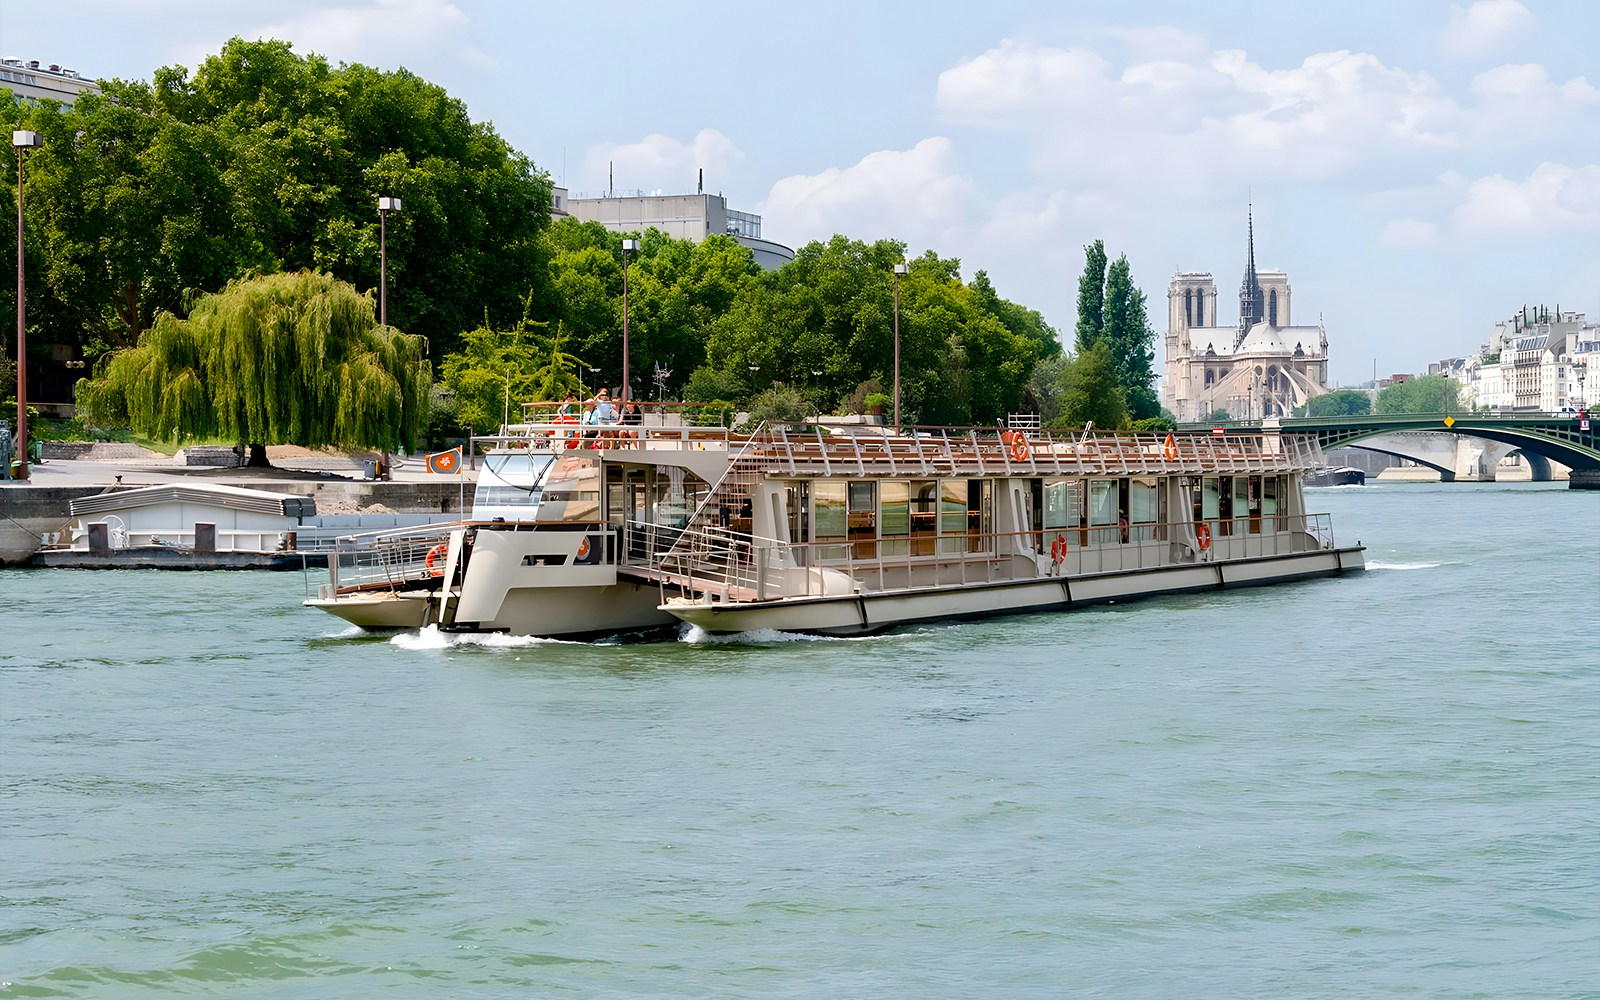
<point x="631" y="417"/>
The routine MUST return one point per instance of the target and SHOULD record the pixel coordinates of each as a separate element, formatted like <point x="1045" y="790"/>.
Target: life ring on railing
<point x="1202" y="534"/>
<point x="583" y="547"/>
<point x="442" y="548"/>
<point x="1019" y="447"/>
<point x="1058" y="550"/>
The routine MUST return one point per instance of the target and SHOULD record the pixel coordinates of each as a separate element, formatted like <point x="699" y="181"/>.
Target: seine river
<point x="1379" y="785"/>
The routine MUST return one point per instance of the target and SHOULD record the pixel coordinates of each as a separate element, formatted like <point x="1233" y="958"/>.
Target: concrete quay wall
<point x="28" y="510"/>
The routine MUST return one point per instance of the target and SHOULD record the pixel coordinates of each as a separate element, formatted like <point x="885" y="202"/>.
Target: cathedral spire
<point x="1250" y="297"/>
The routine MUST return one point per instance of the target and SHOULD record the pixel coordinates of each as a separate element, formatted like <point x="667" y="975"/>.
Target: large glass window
<point x="863" y="519"/>
<point x="1103" y="511"/>
<point x="1241" y="503"/>
<point x="828" y="497"/>
<point x="924" y="517"/>
<point x="1144" y="508"/>
<point x="952" y="515"/>
<point x="895" y="512"/>
<point x="1061" y="503"/>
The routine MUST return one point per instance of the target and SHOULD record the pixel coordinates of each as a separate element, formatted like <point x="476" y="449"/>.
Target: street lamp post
<point x="385" y="206"/>
<point x="628" y="246"/>
<point x="1580" y="369"/>
<point x="23" y="143"/>
<point x="899" y="269"/>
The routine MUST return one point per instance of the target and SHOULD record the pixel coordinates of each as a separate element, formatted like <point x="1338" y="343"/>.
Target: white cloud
<point x="912" y="194"/>
<point x="1512" y="81"/>
<point x="376" y="32"/>
<point x="1484" y="26"/>
<point x="1190" y="115"/>
<point x="1015" y="78"/>
<point x="1554" y="197"/>
<point x="661" y="163"/>
<point x="1409" y="233"/>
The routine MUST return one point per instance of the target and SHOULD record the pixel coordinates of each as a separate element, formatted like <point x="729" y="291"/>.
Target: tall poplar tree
<point x="1092" y="295"/>
<point x="281" y="359"/>
<point x="1111" y="311"/>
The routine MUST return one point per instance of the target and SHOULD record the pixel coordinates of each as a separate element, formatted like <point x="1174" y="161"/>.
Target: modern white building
<point x="30" y="81"/>
<point x="1261" y="366"/>
<point x="681" y="216"/>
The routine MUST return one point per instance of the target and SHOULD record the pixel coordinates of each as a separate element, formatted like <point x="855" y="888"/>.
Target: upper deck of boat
<point x="870" y="451"/>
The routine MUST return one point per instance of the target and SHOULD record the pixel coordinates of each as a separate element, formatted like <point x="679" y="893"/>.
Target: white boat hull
<point x="858" y="614"/>
<point x="381" y="611"/>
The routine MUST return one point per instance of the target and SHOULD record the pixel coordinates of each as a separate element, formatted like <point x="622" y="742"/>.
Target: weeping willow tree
<point x="280" y="359"/>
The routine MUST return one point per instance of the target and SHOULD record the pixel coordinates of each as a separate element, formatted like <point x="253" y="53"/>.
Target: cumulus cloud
<point x="1554" y="197"/>
<point x="914" y="194"/>
<point x="1189" y="112"/>
<point x="376" y="31"/>
<point x="1484" y="26"/>
<point x="662" y="163"/>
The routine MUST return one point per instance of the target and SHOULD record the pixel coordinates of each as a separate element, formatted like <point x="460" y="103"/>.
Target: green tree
<point x="1426" y="394"/>
<point x="1090" y="391"/>
<point x="1128" y="335"/>
<point x="268" y="161"/>
<point x="1092" y="295"/>
<point x="496" y="371"/>
<point x="281" y="359"/>
<point x="1338" y="403"/>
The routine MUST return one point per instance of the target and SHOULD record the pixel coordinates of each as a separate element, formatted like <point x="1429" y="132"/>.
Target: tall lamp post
<point x="899" y="269"/>
<point x="1581" y="369"/>
<point x="23" y="143"/>
<point x="385" y="206"/>
<point x="628" y="246"/>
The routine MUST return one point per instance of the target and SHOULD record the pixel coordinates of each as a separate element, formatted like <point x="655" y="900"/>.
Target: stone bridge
<point x="1465" y="446"/>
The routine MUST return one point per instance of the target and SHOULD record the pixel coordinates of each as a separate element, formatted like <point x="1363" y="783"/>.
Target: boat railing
<point x="387" y="559"/>
<point x="804" y="450"/>
<point x="736" y="566"/>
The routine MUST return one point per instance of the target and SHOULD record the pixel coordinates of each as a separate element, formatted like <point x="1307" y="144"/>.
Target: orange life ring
<point x="583" y="547"/>
<point x="442" y="548"/>
<point x="1019" y="447"/>
<point x="1203" y="534"/>
<point x="1169" y="450"/>
<point x="1058" y="549"/>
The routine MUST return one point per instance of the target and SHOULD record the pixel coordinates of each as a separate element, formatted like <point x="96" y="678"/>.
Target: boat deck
<point x="805" y="451"/>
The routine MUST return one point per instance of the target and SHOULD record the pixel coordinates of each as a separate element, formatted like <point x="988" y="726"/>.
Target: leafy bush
<point x="718" y="413"/>
<point x="1154" y="424"/>
<point x="779" y="404"/>
<point x="708" y="385"/>
<point x="878" y="399"/>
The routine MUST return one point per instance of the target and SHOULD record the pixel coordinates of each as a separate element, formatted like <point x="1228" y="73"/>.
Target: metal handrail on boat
<point x="804" y="450"/>
<point x="739" y="567"/>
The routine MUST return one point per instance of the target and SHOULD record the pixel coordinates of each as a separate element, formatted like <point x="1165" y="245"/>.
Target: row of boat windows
<point x="1128" y="508"/>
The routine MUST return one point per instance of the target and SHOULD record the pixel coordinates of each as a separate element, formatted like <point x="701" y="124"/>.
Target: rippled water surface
<point x="1378" y="785"/>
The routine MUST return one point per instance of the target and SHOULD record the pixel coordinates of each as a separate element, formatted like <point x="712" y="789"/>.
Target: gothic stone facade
<point x="1261" y="366"/>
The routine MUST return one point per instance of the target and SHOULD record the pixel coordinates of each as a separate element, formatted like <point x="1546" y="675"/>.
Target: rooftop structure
<point x="681" y="216"/>
<point x="30" y="81"/>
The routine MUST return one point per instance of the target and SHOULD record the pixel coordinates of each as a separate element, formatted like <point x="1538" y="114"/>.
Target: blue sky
<point x="1420" y="170"/>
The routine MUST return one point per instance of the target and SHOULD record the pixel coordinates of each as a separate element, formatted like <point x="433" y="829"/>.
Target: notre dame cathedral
<point x="1261" y="366"/>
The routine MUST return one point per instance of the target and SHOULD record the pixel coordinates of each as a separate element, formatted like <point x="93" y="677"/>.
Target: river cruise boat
<point x="835" y="530"/>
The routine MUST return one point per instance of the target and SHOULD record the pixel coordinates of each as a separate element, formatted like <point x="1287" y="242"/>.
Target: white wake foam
<point x="431" y="638"/>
